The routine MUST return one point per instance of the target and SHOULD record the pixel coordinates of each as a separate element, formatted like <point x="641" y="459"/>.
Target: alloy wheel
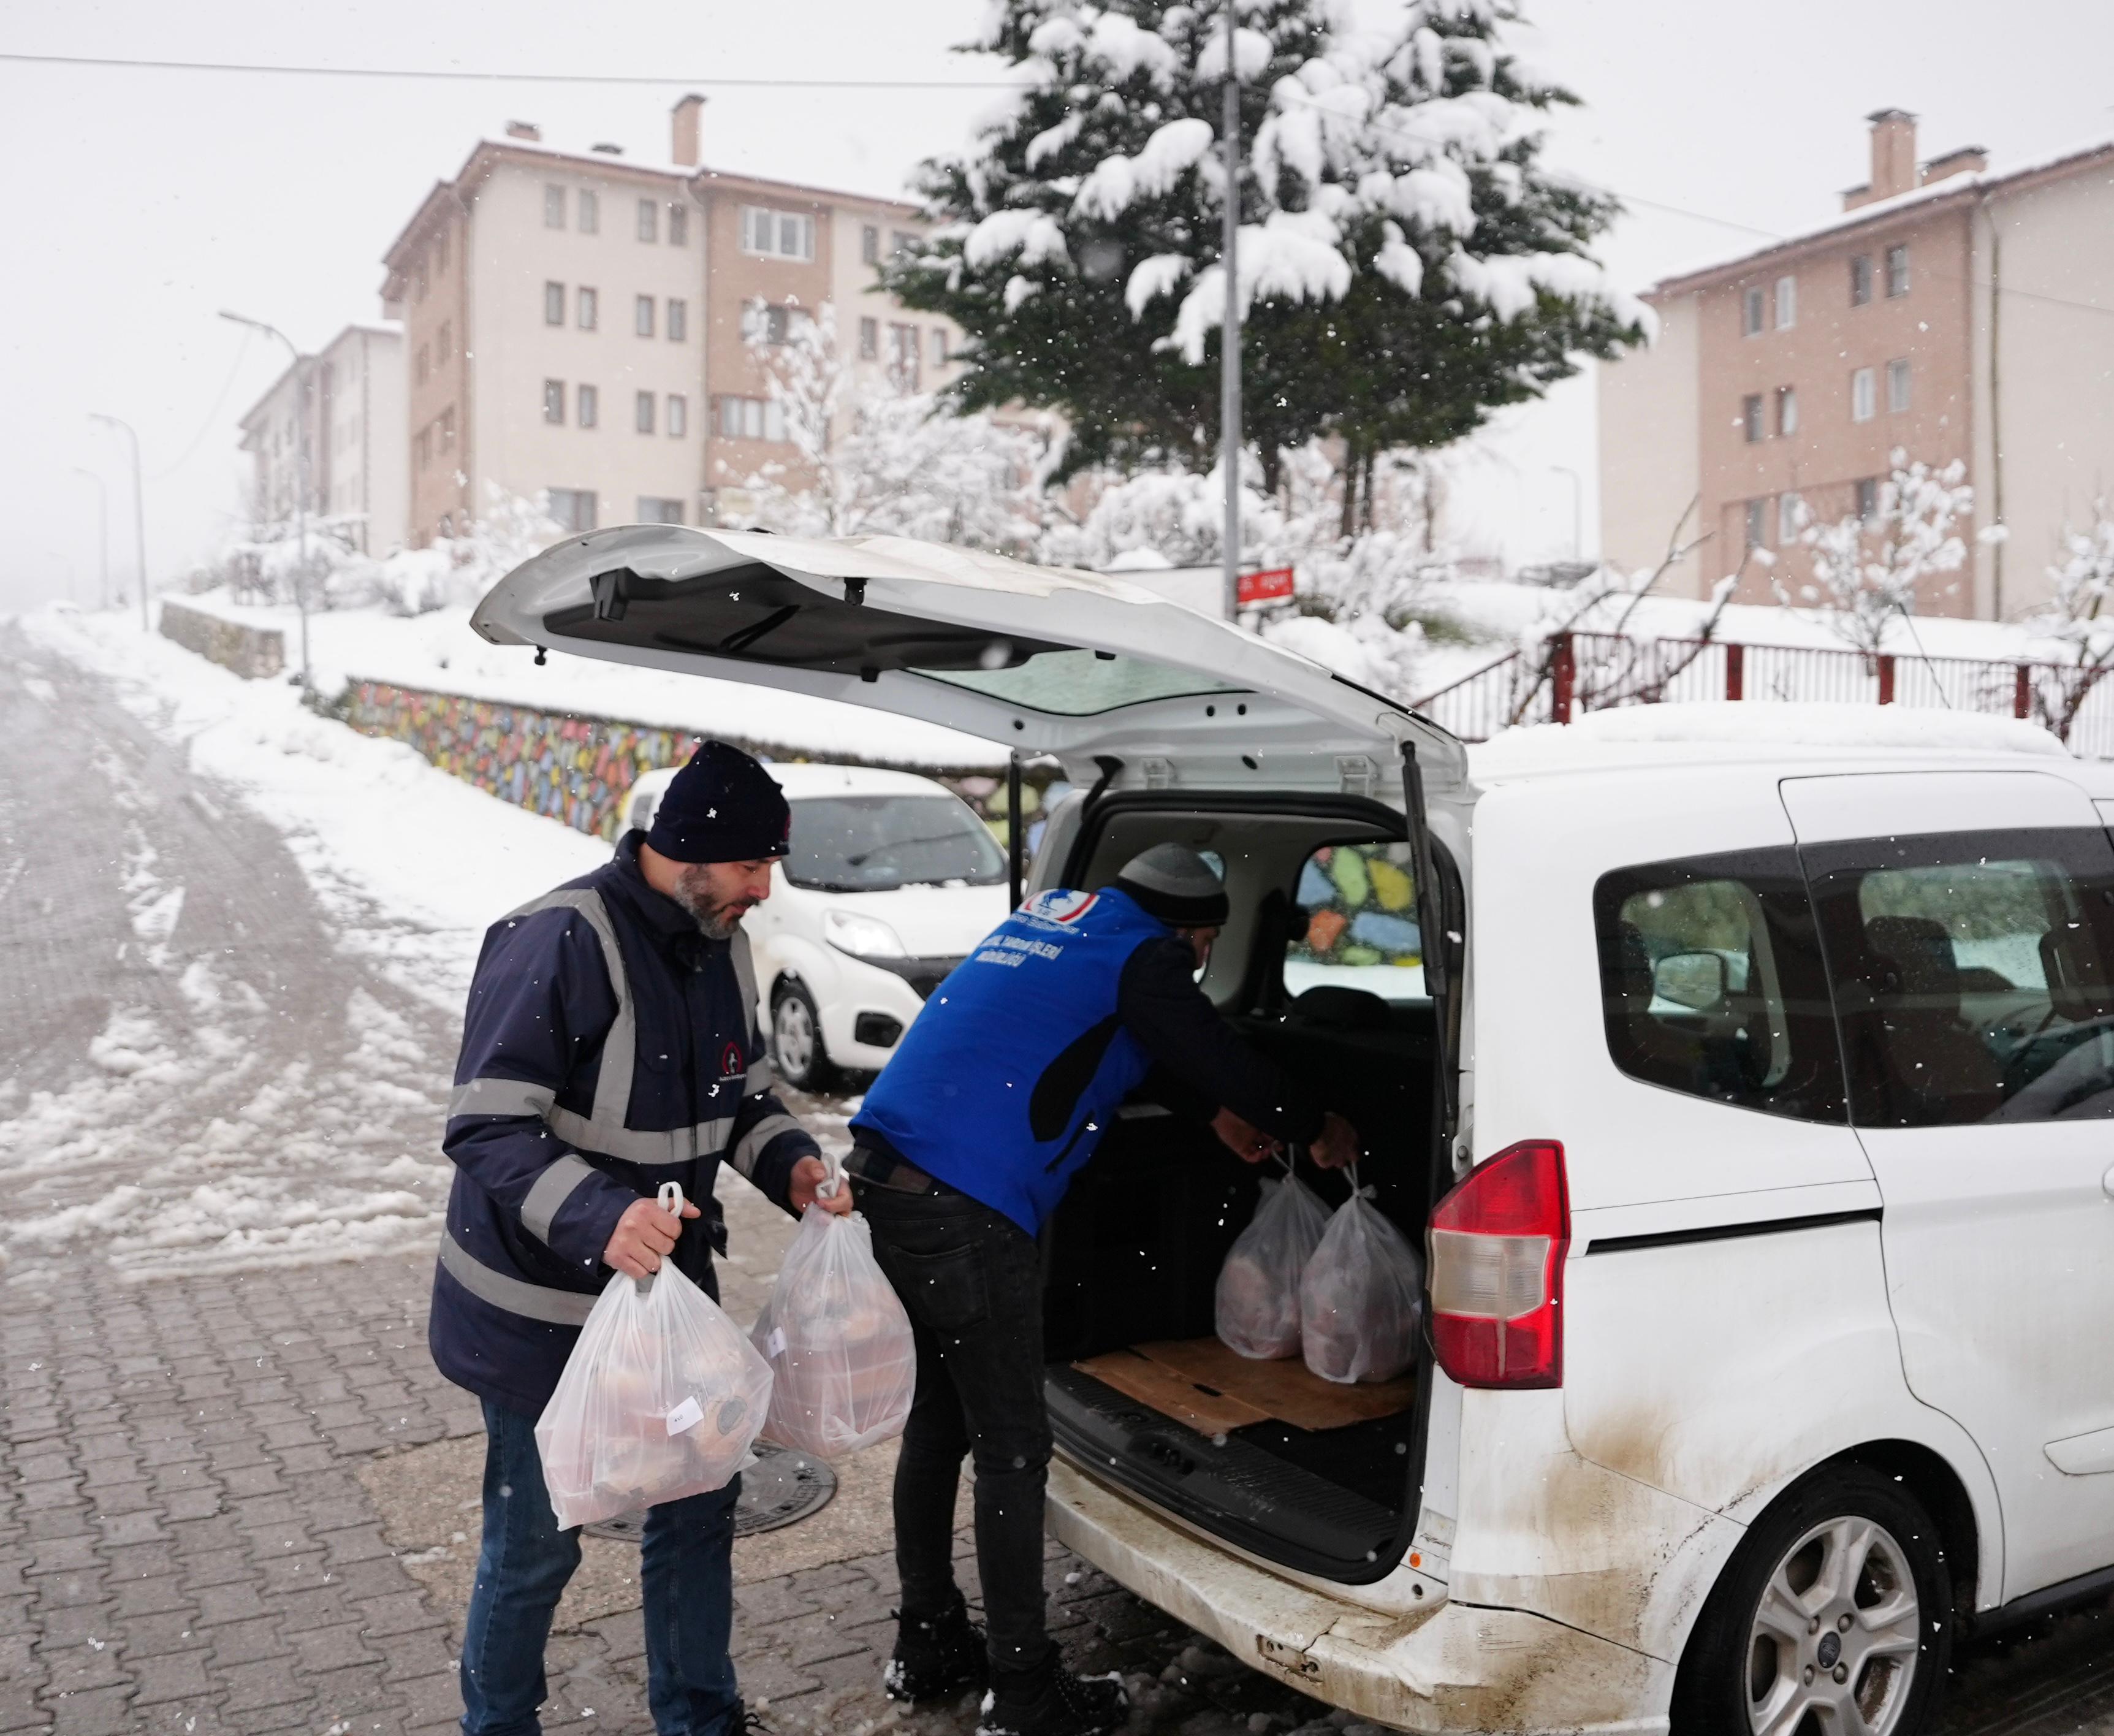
<point x="793" y="1037"/>
<point x="1833" y="1649"/>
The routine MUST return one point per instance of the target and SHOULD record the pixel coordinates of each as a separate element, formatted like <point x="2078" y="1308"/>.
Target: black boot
<point x="935" y="1657"/>
<point x="1052" y="1702"/>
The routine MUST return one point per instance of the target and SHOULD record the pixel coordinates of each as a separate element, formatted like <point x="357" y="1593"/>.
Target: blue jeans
<point x="686" y="1574"/>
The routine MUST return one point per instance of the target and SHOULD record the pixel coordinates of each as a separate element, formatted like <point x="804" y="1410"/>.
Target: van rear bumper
<point x="1453" y="1668"/>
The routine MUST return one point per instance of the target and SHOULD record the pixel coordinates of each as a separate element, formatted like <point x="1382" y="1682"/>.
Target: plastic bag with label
<point x="1361" y="1300"/>
<point x="1257" y="1308"/>
<point x="837" y="1340"/>
<point x="661" y="1398"/>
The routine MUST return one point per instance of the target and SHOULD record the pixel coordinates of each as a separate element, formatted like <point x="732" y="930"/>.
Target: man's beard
<point x="715" y="917"/>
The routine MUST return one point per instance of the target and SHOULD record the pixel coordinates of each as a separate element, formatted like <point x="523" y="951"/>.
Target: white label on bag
<point x="774" y="1346"/>
<point x="688" y="1414"/>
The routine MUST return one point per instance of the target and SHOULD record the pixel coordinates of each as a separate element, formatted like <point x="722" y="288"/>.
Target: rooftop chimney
<point x="1893" y="158"/>
<point x="1969" y="159"/>
<point x="684" y="150"/>
<point x="527" y="129"/>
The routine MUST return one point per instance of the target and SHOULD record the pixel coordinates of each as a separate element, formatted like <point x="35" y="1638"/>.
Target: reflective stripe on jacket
<point x="608" y="1048"/>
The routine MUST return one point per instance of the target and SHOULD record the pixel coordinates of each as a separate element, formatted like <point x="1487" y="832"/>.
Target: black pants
<point x="972" y="1283"/>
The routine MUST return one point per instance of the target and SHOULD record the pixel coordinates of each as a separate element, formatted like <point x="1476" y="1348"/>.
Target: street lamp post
<point x="102" y="525"/>
<point x="1229" y="351"/>
<point x="300" y="476"/>
<point x="139" y="510"/>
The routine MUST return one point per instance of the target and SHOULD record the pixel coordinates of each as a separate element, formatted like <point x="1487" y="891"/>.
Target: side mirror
<point x="1695" y="980"/>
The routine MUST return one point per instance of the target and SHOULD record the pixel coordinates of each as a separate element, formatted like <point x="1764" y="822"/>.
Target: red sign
<point x="1272" y="585"/>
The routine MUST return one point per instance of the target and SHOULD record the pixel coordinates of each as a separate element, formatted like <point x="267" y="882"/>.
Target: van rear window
<point x="1711" y="983"/>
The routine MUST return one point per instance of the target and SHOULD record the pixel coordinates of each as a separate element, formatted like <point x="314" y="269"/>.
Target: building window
<point x="869" y="245"/>
<point x="869" y="339"/>
<point x="902" y="244"/>
<point x="653" y="511"/>
<point x="590" y="212"/>
<point x="1860" y="280"/>
<point x="574" y="509"/>
<point x="641" y="315"/>
<point x="678" y="231"/>
<point x="678" y="415"/>
<point x="448" y="429"/>
<point x="589" y="305"/>
<point x="1751" y="417"/>
<point x="1898" y="270"/>
<point x="642" y="412"/>
<point x="902" y="356"/>
<point x="425" y="364"/>
<point x="447" y="340"/>
<point x="939" y="346"/>
<point x="554" y="401"/>
<point x="779" y="235"/>
<point x="554" y="207"/>
<point x="587" y="406"/>
<point x="441" y="253"/>
<point x="751" y="419"/>
<point x="1758" y="523"/>
<point x="418" y="278"/>
<point x="678" y="320"/>
<point x="1861" y="395"/>
<point x="1897" y="385"/>
<point x="1786" y="302"/>
<point x="1868" y="500"/>
<point x="649" y="220"/>
<point x="1787" y="517"/>
<point x="1752" y="310"/>
<point x="554" y="304"/>
<point x="422" y="448"/>
<point x="1787" y="410"/>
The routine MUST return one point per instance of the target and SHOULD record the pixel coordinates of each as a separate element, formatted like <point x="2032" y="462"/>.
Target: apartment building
<point x="353" y="393"/>
<point x="576" y="325"/>
<point x="1950" y="311"/>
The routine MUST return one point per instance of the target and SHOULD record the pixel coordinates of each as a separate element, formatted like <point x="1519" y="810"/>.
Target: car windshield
<point x="877" y="843"/>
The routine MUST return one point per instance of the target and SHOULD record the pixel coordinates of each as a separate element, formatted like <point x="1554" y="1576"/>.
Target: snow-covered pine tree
<point x="1406" y="262"/>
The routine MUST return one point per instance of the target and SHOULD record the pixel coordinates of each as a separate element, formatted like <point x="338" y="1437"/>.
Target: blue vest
<point x="1010" y="1075"/>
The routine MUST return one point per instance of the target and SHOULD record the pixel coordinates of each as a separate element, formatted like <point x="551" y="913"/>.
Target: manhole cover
<point x="781" y="1486"/>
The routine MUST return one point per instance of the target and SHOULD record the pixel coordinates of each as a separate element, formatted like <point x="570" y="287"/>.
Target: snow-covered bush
<point x="1865" y="575"/>
<point x="2080" y="615"/>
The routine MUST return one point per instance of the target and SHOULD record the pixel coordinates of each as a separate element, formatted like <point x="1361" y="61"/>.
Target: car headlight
<point x="866" y="937"/>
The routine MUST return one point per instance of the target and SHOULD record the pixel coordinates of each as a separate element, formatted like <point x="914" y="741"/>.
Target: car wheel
<point x="1834" y="1615"/>
<point x="796" y="1039"/>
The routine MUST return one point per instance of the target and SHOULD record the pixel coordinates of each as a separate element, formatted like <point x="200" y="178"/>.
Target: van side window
<point x="1971" y="971"/>
<point x="1359" y="903"/>
<point x="1711" y="983"/>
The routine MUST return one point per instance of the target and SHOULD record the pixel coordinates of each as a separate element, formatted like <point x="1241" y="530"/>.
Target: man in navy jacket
<point x="611" y="1045"/>
<point x="993" y="1101"/>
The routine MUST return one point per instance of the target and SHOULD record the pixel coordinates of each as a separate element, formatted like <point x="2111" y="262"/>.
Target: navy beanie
<point x="721" y="807"/>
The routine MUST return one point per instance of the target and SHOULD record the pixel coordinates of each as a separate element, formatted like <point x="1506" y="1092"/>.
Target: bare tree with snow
<point x="1865" y="574"/>
<point x="2080" y="615"/>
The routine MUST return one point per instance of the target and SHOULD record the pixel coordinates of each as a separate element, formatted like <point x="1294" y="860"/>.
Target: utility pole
<point x="102" y="526"/>
<point x="1229" y="350"/>
<point x="139" y="511"/>
<point x="300" y="477"/>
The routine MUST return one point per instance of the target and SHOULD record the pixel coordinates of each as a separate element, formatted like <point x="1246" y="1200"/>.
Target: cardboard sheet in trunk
<point x="1200" y="1382"/>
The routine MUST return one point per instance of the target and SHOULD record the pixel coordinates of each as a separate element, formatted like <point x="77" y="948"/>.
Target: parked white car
<point x="1753" y="1116"/>
<point x="891" y="880"/>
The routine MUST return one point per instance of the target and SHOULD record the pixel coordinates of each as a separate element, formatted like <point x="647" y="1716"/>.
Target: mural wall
<point x="579" y="769"/>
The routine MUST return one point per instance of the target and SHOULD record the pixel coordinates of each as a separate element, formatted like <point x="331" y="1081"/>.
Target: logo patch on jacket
<point x="731" y="1064"/>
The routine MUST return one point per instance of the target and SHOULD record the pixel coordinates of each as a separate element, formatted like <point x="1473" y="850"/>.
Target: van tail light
<point x="1498" y="1243"/>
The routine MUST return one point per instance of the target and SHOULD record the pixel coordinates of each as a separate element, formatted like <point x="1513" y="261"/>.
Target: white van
<point x="1750" y="1110"/>
<point x="891" y="881"/>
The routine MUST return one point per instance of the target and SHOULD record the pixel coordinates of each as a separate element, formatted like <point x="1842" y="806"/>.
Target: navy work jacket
<point x="608" y="1048"/>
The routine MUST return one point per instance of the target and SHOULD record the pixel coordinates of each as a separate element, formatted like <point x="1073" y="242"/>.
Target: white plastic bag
<point x="1361" y="1300"/>
<point x="661" y="1398"/>
<point x="1256" y="1311"/>
<point x="837" y="1340"/>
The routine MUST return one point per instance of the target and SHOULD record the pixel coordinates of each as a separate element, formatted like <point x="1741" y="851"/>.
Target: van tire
<point x="796" y="1048"/>
<point x="1731" y="1657"/>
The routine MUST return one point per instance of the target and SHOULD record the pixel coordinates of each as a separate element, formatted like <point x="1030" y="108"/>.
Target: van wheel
<point x="1835" y="1614"/>
<point x="796" y="1039"/>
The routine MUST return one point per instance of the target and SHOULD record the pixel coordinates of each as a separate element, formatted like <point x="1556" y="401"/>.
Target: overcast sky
<point x="141" y="201"/>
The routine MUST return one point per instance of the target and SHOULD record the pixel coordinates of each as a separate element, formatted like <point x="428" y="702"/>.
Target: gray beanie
<point x="1175" y="884"/>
